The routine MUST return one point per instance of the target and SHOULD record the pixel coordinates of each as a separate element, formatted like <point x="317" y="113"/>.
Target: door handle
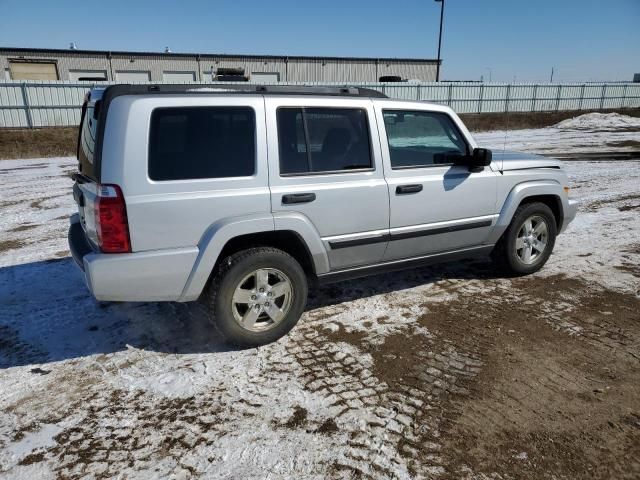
<point x="298" y="198"/>
<point x="403" y="189"/>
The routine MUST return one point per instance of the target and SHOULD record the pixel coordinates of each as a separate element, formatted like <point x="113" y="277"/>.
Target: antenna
<point x="506" y="129"/>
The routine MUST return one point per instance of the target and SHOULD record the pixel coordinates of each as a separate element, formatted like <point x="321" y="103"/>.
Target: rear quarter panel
<point x="177" y="213"/>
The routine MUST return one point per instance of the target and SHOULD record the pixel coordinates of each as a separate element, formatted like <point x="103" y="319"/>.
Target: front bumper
<point x="570" y="211"/>
<point x="158" y="275"/>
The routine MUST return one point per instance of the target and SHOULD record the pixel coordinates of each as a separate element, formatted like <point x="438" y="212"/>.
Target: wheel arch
<point x="288" y="241"/>
<point x="552" y="201"/>
<point x="293" y="235"/>
<point x="548" y="192"/>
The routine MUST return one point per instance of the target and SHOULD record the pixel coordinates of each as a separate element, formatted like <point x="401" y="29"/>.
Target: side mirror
<point x="481" y="157"/>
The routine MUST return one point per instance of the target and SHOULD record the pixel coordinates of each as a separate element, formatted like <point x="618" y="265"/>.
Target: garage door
<point x="133" y="76"/>
<point x="177" y="77"/>
<point x="33" y="70"/>
<point x="94" y="75"/>
<point x="265" y="77"/>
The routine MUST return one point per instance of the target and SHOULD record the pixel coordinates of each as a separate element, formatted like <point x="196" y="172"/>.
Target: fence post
<point x="480" y="100"/>
<point x="27" y="106"/>
<point x="506" y="102"/>
<point x="581" y="96"/>
<point x="558" y="98"/>
<point x="449" y="94"/>
<point x="417" y="92"/>
<point x="533" y="100"/>
<point x="604" y="88"/>
<point x="624" y="96"/>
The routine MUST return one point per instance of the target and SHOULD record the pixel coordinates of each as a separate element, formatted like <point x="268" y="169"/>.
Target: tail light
<point x="111" y="220"/>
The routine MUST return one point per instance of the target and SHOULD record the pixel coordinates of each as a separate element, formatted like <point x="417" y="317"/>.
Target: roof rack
<point x="113" y="91"/>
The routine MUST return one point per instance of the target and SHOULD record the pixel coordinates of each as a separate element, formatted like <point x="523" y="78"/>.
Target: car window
<point x="313" y="140"/>
<point x="201" y="142"/>
<point x="419" y="139"/>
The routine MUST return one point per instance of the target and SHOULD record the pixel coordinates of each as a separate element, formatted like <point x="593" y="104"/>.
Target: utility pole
<point x="552" y="68"/>
<point x="439" y="38"/>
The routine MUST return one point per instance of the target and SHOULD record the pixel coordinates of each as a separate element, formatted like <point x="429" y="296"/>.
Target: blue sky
<point x="583" y="39"/>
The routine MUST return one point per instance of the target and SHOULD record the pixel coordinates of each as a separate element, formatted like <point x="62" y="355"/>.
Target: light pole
<point x="439" y="38"/>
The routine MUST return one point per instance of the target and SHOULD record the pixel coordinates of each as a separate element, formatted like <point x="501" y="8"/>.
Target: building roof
<point x="196" y="55"/>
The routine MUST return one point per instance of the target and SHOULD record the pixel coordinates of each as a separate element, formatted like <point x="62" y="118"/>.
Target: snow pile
<point x="601" y="122"/>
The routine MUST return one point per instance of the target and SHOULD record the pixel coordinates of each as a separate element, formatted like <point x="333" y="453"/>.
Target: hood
<point x="521" y="161"/>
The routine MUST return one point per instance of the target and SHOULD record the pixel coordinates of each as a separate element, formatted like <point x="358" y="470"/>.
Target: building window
<point x="33" y="70"/>
<point x="265" y="77"/>
<point x="133" y="76"/>
<point x="87" y="75"/>
<point x="178" y="77"/>
<point x="202" y="142"/>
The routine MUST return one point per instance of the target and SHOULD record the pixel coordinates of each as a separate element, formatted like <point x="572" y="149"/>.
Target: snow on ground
<point x="35" y="205"/>
<point x="608" y="122"/>
<point x="144" y="390"/>
<point x="586" y="135"/>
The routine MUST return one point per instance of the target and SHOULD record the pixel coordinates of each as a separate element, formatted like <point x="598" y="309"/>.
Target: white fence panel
<point x="33" y="104"/>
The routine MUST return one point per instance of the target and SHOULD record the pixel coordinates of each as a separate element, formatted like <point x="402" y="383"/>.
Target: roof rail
<point x="113" y="91"/>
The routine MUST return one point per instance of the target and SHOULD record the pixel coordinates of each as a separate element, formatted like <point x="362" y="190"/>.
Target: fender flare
<point x="515" y="197"/>
<point x="220" y="233"/>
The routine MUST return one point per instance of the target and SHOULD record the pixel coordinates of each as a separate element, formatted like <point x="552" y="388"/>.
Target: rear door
<point x="325" y="163"/>
<point x="436" y="206"/>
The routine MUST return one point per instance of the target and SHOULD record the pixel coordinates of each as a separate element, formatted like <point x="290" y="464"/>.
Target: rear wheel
<point x="256" y="296"/>
<point x="528" y="241"/>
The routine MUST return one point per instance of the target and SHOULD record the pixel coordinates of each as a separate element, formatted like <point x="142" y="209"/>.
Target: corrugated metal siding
<point x="58" y="103"/>
<point x="291" y="69"/>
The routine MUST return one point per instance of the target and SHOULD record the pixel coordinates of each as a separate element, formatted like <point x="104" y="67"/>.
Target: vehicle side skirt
<point x="395" y="265"/>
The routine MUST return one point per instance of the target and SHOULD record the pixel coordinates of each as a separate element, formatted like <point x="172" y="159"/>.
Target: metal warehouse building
<point x="53" y="64"/>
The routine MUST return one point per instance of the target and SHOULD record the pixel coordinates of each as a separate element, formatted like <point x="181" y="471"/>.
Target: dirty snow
<point x="601" y="122"/>
<point x="585" y="136"/>
<point x="144" y="390"/>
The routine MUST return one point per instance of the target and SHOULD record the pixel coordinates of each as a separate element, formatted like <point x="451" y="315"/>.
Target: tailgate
<point x="85" y="193"/>
<point x="85" y="188"/>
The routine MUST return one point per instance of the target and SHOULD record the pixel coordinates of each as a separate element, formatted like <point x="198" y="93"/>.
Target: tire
<point x="266" y="316"/>
<point x="513" y="260"/>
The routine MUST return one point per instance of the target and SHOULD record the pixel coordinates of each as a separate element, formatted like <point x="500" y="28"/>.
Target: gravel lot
<point x="443" y="372"/>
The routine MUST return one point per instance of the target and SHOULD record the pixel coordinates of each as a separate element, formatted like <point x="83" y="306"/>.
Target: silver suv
<point x="241" y="196"/>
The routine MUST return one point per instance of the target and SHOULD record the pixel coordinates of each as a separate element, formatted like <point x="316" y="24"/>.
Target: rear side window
<point x="87" y="141"/>
<point x="422" y="139"/>
<point x="322" y="140"/>
<point x="202" y="142"/>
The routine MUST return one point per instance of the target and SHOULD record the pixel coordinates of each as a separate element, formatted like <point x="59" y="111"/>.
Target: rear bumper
<point x="78" y="243"/>
<point x="158" y="275"/>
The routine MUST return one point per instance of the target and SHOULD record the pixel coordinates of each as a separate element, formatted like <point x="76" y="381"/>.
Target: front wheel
<point x="256" y="296"/>
<point x="528" y="241"/>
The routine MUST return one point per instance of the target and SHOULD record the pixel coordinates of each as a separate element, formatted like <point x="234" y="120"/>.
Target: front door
<point x="325" y="166"/>
<point x="435" y="206"/>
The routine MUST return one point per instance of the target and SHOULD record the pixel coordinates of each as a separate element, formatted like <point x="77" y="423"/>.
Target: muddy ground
<point x="447" y="372"/>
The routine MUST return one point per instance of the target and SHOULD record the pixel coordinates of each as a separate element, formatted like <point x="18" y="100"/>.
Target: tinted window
<point x="87" y="141"/>
<point x="323" y="140"/>
<point x="418" y="139"/>
<point x="202" y="142"/>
